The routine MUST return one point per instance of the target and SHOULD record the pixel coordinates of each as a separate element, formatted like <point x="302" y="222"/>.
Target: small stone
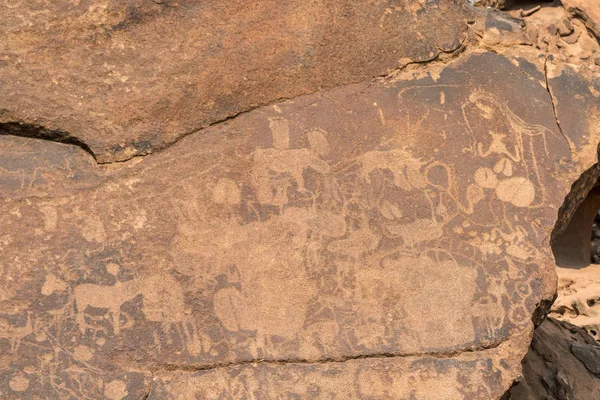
<point x="589" y="355"/>
<point x="527" y="13"/>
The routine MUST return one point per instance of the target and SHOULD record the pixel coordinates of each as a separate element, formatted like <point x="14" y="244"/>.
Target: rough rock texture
<point x="331" y="227"/>
<point x="595" y="241"/>
<point x="389" y="238"/>
<point x="129" y="77"/>
<point x="563" y="364"/>
<point x="575" y="90"/>
<point x="501" y="4"/>
<point x="587" y="11"/>
<point x="563" y="36"/>
<point x="579" y="298"/>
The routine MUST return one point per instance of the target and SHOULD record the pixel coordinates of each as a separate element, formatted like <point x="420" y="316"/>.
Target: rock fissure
<point x="33" y="131"/>
<point x="149" y="391"/>
<point x="553" y="102"/>
<point x="156" y="367"/>
<point x="442" y="56"/>
<point x="229" y="118"/>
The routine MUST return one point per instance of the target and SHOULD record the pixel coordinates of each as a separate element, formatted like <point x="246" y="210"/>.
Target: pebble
<point x="527" y="13"/>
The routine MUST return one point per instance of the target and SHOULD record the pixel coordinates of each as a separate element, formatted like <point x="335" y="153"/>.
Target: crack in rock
<point x="553" y="102"/>
<point x="39" y="132"/>
<point x="156" y="367"/>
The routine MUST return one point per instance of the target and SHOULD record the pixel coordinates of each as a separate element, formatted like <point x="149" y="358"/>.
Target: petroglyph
<point x="274" y="166"/>
<point x="226" y="191"/>
<point x="19" y="383"/>
<point x="115" y="390"/>
<point x="106" y="297"/>
<point x="163" y="300"/>
<point x="420" y="230"/>
<point x="358" y="242"/>
<point x="405" y="168"/>
<point x="332" y="227"/>
<point x="53" y="284"/>
<point x="517" y="190"/>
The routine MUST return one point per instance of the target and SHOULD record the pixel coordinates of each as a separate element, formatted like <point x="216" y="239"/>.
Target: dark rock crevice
<point x="149" y="391"/>
<point x="570" y="238"/>
<point x="33" y="131"/>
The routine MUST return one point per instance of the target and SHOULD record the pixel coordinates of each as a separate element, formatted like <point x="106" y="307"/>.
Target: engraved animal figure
<point x="405" y="168"/>
<point x="293" y="162"/>
<point x="15" y="334"/>
<point x="282" y="160"/>
<point x="108" y="297"/>
<point x="162" y="296"/>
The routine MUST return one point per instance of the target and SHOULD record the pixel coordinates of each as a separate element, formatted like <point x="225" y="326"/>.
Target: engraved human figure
<point x="518" y="190"/>
<point x="497" y="146"/>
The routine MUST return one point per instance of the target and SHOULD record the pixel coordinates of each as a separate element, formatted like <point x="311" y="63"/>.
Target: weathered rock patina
<point x="402" y="221"/>
<point x="563" y="363"/>
<point x="389" y="238"/>
<point x="129" y="77"/>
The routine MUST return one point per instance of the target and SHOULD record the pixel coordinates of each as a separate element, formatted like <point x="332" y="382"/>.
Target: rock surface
<point x="317" y="229"/>
<point x="578" y="301"/>
<point x="388" y="238"/>
<point x="563" y="364"/>
<point x="586" y="11"/>
<point x="129" y="77"/>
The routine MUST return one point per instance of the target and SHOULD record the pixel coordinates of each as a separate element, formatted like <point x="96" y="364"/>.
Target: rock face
<point x="129" y="77"/>
<point x="563" y="363"/>
<point x="389" y="238"/>
<point x="587" y="12"/>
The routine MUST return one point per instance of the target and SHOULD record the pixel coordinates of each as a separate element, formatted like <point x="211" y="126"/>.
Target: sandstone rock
<point x="389" y="238"/>
<point x="588" y="12"/>
<point x="561" y="364"/>
<point x="562" y="35"/>
<point x="501" y="4"/>
<point x="328" y="233"/>
<point x="127" y="78"/>
<point x="579" y="298"/>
